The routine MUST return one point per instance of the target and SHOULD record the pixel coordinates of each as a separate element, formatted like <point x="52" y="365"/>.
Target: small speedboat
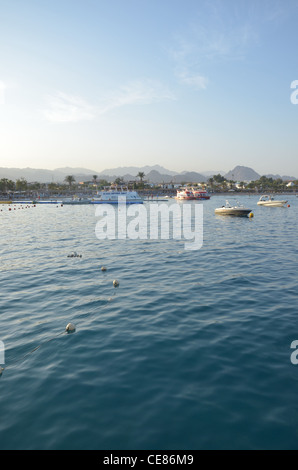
<point x="271" y="202"/>
<point x="237" y="211"/>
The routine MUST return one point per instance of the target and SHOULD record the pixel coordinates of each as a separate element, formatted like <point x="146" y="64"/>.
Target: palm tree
<point x="6" y="185"/>
<point x="119" y="181"/>
<point x="21" y="184"/>
<point x="141" y="175"/>
<point x="211" y="181"/>
<point x="69" y="179"/>
<point x="94" y="179"/>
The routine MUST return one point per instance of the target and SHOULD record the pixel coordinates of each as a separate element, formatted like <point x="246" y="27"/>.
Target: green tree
<point x="141" y="175"/>
<point x="6" y="185"/>
<point x="21" y="184"/>
<point x="53" y="186"/>
<point x="34" y="186"/>
<point x="69" y="180"/>
<point x="103" y="183"/>
<point x="219" y="178"/>
<point x="119" y="181"/>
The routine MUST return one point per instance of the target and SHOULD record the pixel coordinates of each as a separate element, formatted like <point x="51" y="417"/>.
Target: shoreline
<point x="83" y="199"/>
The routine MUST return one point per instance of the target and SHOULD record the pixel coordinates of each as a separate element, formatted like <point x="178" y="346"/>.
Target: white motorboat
<point x="271" y="202"/>
<point x="237" y="211"/>
<point x="115" y="196"/>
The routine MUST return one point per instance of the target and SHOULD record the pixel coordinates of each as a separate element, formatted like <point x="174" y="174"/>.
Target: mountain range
<point x="153" y="174"/>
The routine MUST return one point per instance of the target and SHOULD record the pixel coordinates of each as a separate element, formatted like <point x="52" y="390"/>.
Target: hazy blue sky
<point x="187" y="84"/>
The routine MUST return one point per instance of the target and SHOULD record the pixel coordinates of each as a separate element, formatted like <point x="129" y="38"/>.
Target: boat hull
<point x="185" y="198"/>
<point x="272" y="203"/>
<point x="116" y="202"/>
<point x="76" y="203"/>
<point x="233" y="212"/>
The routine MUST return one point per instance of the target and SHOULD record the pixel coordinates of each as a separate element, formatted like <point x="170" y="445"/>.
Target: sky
<point x="192" y="85"/>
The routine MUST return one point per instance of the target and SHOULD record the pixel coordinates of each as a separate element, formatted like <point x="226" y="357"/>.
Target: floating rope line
<point x="30" y="352"/>
<point x="70" y="328"/>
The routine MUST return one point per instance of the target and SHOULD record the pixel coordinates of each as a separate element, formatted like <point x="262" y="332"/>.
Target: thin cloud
<point x="68" y="108"/>
<point x="136" y="93"/>
<point x="62" y="107"/>
<point x="212" y="38"/>
<point x="194" y="80"/>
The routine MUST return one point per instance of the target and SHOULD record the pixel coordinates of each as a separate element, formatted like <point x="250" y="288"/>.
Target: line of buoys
<point x="19" y="207"/>
<point x="70" y="327"/>
<point x="74" y="255"/>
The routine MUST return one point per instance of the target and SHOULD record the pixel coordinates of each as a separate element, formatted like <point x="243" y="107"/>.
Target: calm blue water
<point x="192" y="351"/>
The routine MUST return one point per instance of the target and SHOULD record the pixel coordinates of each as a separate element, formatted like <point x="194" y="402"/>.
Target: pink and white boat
<point x="200" y="194"/>
<point x="184" y="194"/>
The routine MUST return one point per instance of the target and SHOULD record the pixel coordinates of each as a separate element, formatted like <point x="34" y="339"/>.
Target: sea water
<point x="191" y="351"/>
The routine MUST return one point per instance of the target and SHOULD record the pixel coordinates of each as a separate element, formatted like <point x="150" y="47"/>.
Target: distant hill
<point x="156" y="177"/>
<point x="153" y="174"/>
<point x="134" y="170"/>
<point x="242" y="173"/>
<point x="69" y="171"/>
<point x="46" y="176"/>
<point x="284" y="178"/>
<point x="190" y="176"/>
<point x="212" y="173"/>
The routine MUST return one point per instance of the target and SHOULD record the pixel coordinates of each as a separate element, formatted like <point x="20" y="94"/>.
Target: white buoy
<point x="103" y="268"/>
<point x="115" y="283"/>
<point x="70" y="328"/>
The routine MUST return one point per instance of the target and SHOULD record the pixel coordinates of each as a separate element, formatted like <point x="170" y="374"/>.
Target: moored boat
<point x="76" y="200"/>
<point x="269" y="201"/>
<point x="236" y="211"/>
<point x="184" y="194"/>
<point x="200" y="194"/>
<point x="117" y="195"/>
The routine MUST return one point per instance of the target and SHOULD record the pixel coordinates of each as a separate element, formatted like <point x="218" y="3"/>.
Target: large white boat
<point x="200" y="194"/>
<point x="117" y="195"/>
<point x="184" y="194"/>
<point x="271" y="202"/>
<point x="236" y="211"/>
